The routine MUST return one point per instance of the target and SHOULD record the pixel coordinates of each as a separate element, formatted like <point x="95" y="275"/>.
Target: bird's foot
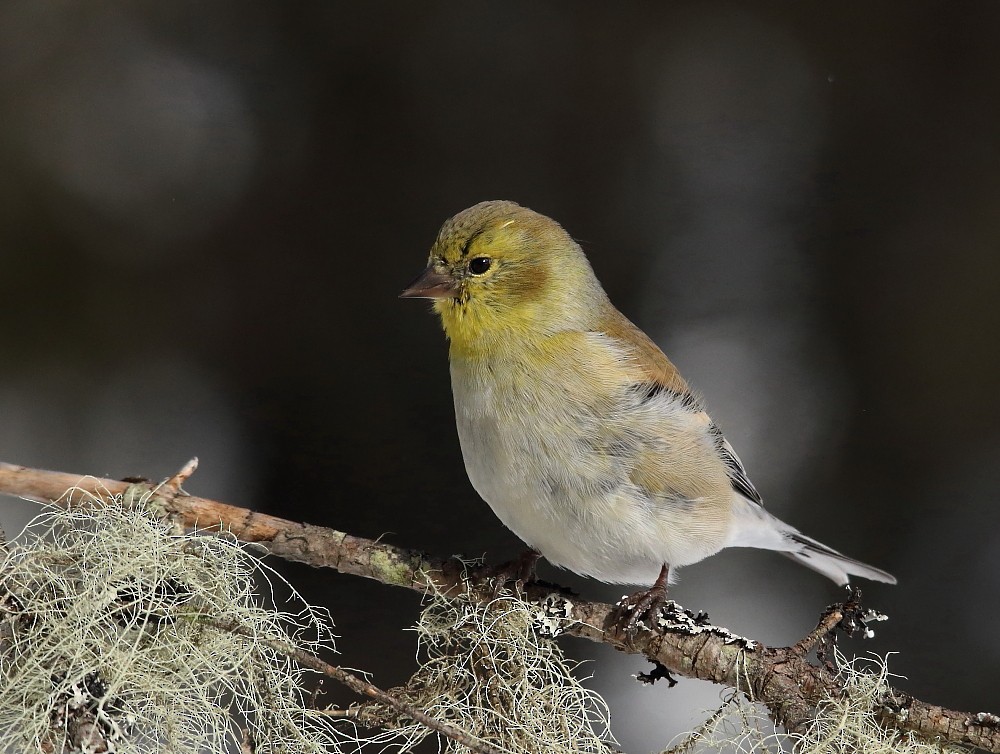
<point x="644" y="604"/>
<point x="518" y="572"/>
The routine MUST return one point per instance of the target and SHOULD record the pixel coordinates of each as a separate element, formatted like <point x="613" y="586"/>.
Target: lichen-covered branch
<point x="780" y="678"/>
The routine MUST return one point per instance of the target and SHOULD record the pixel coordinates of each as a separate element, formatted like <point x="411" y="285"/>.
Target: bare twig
<point x="780" y="678"/>
<point x="828" y="623"/>
<point x="171" y="487"/>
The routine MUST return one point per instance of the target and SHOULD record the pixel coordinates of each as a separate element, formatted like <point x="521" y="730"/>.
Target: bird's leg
<point x="519" y="571"/>
<point x="645" y="603"/>
<point x="526" y="563"/>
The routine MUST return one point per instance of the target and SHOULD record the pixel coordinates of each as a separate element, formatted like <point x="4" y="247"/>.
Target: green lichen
<point x="390" y="570"/>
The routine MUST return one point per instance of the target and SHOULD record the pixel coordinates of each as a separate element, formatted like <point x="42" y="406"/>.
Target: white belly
<point x="532" y="462"/>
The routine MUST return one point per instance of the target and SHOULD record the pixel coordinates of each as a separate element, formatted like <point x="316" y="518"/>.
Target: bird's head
<point x="500" y="273"/>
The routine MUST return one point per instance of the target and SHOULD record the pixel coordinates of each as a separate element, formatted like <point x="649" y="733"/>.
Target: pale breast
<point x="556" y="458"/>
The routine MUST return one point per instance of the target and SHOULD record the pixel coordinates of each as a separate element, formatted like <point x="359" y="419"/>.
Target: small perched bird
<point x="576" y="429"/>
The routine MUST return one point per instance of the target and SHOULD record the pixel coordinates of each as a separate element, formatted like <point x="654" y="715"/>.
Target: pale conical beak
<point x="431" y="284"/>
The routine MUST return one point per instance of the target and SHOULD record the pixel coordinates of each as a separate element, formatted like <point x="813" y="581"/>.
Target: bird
<point x="575" y="428"/>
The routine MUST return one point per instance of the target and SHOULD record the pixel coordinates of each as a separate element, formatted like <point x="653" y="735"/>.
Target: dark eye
<point x="479" y="265"/>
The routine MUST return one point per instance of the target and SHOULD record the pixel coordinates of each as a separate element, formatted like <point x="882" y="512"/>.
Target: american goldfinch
<point x="576" y="429"/>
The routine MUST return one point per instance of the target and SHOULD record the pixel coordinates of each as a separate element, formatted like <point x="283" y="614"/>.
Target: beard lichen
<point x="848" y="722"/>
<point x="485" y="669"/>
<point x="119" y="634"/>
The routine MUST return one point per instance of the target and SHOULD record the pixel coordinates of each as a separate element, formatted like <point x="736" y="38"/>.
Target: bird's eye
<point x="479" y="265"/>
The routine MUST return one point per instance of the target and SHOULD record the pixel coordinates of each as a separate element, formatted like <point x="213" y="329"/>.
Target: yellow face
<point x="500" y="273"/>
<point x="496" y="259"/>
<point x="487" y="269"/>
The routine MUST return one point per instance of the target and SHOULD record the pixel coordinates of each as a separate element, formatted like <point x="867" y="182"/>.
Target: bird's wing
<point x="734" y="467"/>
<point x="646" y="361"/>
<point x="654" y="374"/>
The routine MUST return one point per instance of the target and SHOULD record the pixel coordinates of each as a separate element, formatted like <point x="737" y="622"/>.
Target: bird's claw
<point x="518" y="572"/>
<point x="643" y="606"/>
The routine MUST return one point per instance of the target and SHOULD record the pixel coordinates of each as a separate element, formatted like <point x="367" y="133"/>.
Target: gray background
<point x="206" y="214"/>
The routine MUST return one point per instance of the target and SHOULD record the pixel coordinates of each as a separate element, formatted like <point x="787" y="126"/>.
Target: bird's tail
<point x="755" y="527"/>
<point x="829" y="562"/>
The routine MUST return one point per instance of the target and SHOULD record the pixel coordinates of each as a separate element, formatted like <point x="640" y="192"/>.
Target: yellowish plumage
<point x="575" y="428"/>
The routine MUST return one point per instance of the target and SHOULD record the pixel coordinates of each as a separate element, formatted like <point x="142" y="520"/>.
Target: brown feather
<point x="650" y="361"/>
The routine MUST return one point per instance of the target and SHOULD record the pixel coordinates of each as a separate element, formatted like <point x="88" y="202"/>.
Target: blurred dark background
<point x="207" y="211"/>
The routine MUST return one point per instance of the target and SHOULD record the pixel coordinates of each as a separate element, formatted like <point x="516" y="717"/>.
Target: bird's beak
<point x="431" y="284"/>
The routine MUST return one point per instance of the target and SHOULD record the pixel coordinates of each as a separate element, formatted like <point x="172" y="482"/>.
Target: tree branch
<point x="780" y="678"/>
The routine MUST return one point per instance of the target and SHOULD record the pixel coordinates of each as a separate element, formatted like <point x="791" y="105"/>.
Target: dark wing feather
<point x="650" y="389"/>
<point x="734" y="467"/>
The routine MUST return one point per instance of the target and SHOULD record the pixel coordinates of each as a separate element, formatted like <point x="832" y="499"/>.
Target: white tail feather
<point x="754" y="527"/>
